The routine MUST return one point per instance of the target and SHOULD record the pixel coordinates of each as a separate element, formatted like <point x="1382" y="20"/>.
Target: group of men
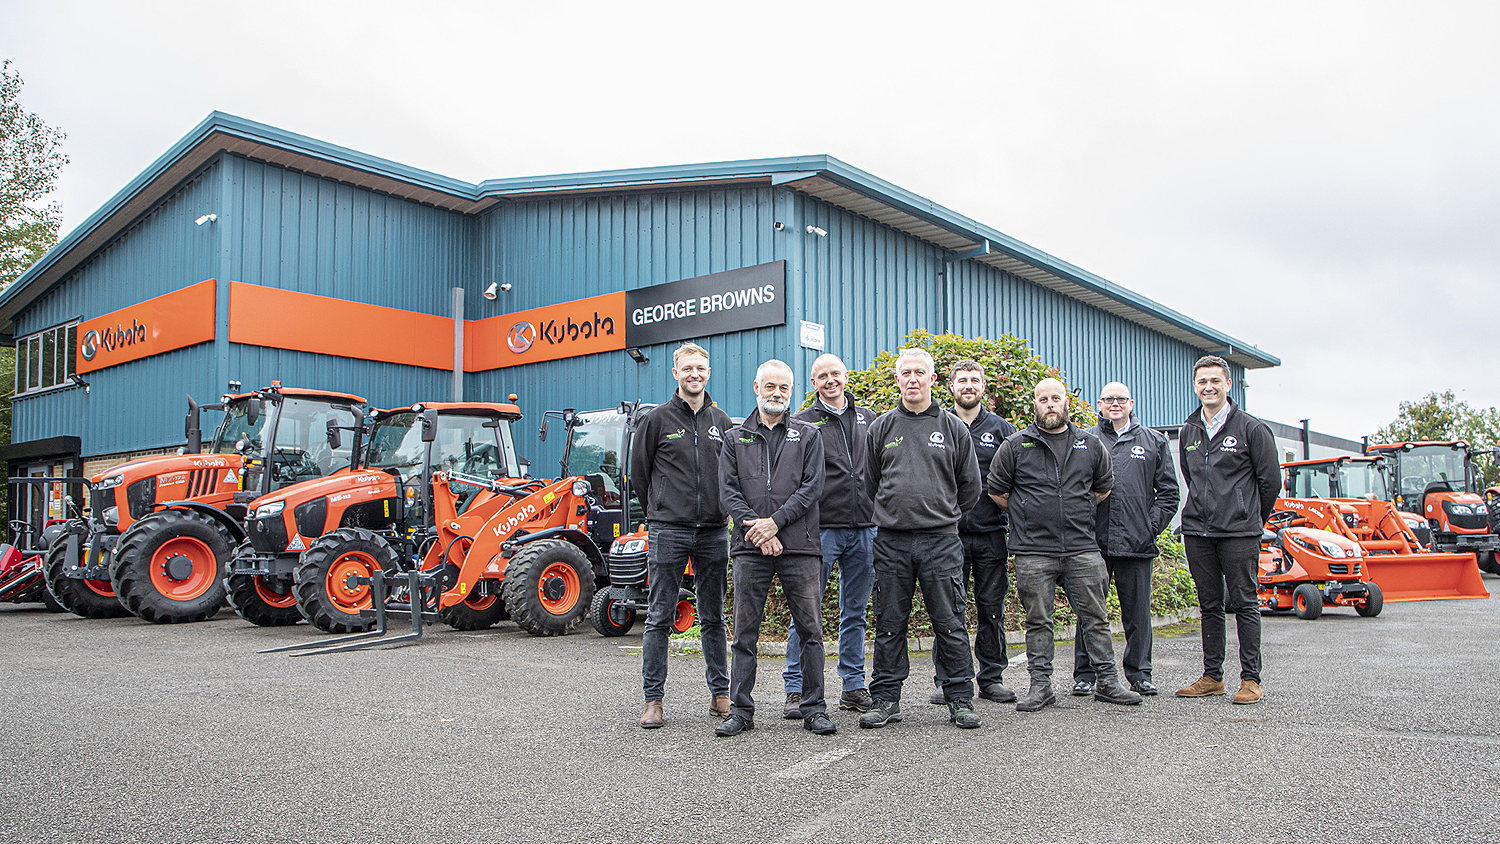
<point x="924" y="496"/>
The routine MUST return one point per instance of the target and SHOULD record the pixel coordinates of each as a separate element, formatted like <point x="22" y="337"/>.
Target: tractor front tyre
<point x="169" y="567"/>
<point x="475" y="612"/>
<point x="86" y="598"/>
<point x="326" y="595"/>
<point x="608" y="616"/>
<point x="1307" y="601"/>
<point x="1373" y="603"/>
<point x="265" y="601"/>
<point x="1489" y="562"/>
<point x="548" y="585"/>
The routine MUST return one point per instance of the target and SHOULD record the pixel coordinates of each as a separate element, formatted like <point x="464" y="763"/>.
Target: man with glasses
<point x="1140" y="506"/>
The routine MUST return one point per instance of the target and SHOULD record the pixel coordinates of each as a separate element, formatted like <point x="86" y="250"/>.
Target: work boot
<point x="1206" y="686"/>
<point x="719" y="706"/>
<point x="651" y="717"/>
<point x="1039" y="696"/>
<point x="936" y="698"/>
<point x="961" y="713"/>
<point x="1113" y="692"/>
<point x="882" y="713"/>
<point x="733" y="726"/>
<point x="819" y="724"/>
<point x="792" y="710"/>
<point x="1250" y="692"/>
<point x="1083" y="688"/>
<point x="997" y="693"/>
<point x="858" y="700"/>
<point x="1145" y="687"/>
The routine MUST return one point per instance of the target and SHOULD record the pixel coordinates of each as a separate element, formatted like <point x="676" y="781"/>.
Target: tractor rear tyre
<point x="476" y="612"/>
<point x="1307" y="601"/>
<point x="1373" y="603"/>
<point x="548" y="585"/>
<point x="606" y="614"/>
<point x="45" y="596"/>
<point x="1489" y="562"/>
<point x="325" y="597"/>
<point x="261" y="600"/>
<point x="169" y="567"/>
<point x="86" y="598"/>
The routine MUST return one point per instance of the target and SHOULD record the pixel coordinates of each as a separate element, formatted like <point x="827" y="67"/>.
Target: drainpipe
<point x="1306" y="441"/>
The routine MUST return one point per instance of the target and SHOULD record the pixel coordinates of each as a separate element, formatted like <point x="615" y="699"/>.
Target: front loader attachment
<point x="1425" y="577"/>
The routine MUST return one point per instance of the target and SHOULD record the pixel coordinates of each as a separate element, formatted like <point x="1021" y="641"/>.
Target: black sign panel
<point x="721" y="303"/>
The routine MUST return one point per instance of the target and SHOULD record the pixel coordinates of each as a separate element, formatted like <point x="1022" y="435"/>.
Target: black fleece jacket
<point x="1233" y="478"/>
<point x="845" y="503"/>
<point x="1145" y="493"/>
<point x="921" y="471"/>
<point x="675" y="461"/>
<point x="758" y="481"/>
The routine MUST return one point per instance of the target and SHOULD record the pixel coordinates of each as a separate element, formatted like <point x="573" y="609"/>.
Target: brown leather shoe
<point x="1205" y="687"/>
<point x="651" y="717"/>
<point x="1249" y="692"/>
<point x="719" y="707"/>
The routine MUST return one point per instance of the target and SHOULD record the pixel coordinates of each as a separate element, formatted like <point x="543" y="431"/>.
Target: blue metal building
<point x="284" y="217"/>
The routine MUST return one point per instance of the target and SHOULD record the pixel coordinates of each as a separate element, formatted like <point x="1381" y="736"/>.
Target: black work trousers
<point x="903" y="559"/>
<point x="1132" y="576"/>
<point x="1223" y="570"/>
<point x="984" y="564"/>
<point x="802" y="582"/>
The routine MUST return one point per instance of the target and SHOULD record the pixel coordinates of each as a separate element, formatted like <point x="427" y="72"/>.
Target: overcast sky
<point x="1318" y="179"/>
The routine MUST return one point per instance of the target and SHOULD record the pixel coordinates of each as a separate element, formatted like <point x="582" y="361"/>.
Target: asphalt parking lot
<point x="1372" y="729"/>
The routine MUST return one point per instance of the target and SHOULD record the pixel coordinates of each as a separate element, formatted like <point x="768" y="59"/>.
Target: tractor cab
<point x="1438" y="481"/>
<point x="467" y="440"/>
<point x="597" y="449"/>
<point x="1339" y="477"/>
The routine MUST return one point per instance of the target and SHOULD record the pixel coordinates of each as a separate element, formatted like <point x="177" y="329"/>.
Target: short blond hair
<point x="688" y="349"/>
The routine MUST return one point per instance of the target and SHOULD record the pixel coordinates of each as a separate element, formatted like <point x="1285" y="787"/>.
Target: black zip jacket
<point x="754" y="483"/>
<point x="845" y="503"/>
<point x="921" y="472"/>
<point x="1144" y="497"/>
<point x="987" y="432"/>
<point x="675" y="463"/>
<point x="1232" y="479"/>
<point x="1052" y="506"/>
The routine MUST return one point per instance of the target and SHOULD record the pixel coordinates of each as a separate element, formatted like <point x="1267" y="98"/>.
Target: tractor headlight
<point x="266" y="511"/>
<point x="580" y="488"/>
<point x="110" y="482"/>
<point x="111" y="516"/>
<point x="1333" y="549"/>
<point x="628" y="546"/>
<point x="1461" y="509"/>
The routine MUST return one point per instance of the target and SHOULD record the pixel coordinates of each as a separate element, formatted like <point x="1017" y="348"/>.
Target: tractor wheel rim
<point x="479" y="602"/>
<point x="101" y="588"/>
<point x="617" y="614"/>
<point x="266" y="590"/>
<point x="559" y="588"/>
<point x="183" y="568"/>
<point x="348" y="598"/>
<point x="686" y="617"/>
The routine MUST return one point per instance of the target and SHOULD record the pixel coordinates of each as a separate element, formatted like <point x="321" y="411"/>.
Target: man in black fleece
<point x="770" y="478"/>
<point x="922" y="477"/>
<point x="674" y="463"/>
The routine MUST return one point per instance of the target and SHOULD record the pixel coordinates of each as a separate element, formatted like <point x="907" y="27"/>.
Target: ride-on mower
<point x="22" y="580"/>
<point x="1304" y="569"/>
<point x="1438" y="481"/>
<point x="161" y="528"/>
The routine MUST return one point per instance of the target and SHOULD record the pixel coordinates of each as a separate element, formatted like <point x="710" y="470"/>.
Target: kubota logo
<point x="507" y="527"/>
<point x="520" y="337"/>
<point x="110" y="339"/>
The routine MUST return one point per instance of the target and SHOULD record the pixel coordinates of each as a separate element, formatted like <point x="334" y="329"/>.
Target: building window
<point x="45" y="359"/>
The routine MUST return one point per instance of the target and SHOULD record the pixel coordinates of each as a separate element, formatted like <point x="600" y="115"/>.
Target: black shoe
<point x="1036" y="698"/>
<point x="961" y="713"/>
<point x="1145" y="687"/>
<point x="858" y="700"/>
<point x="882" y="713"/>
<point x="936" y="698"/>
<point x="1083" y="688"/>
<point x="819" y="724"/>
<point x="793" y="708"/>
<point x="1111" y="692"/>
<point x="997" y="693"/>
<point x="733" y="726"/>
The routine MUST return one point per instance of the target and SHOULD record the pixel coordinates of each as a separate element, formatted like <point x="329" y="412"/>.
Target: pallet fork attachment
<point x="418" y="585"/>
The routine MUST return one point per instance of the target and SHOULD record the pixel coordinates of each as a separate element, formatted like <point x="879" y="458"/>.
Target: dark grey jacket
<point x="845" y="503"/>
<point x="1144" y="497"/>
<point x="921" y="472"/>
<point x="1051" y="506"/>
<point x="753" y="485"/>
<point x="1232" y="479"/>
<point x="674" y="462"/>
<point x="988" y="432"/>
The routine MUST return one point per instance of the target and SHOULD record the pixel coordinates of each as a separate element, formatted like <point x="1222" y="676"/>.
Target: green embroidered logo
<point x="678" y="434"/>
<point x="821" y="422"/>
<point x="1193" y="447"/>
<point x="747" y="439"/>
<point x="893" y="443"/>
<point x="1028" y="445"/>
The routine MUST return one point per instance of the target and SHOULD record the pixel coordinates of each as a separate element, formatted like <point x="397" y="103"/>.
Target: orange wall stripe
<point x="171" y="321"/>
<point x="286" y="319"/>
<point x="568" y="330"/>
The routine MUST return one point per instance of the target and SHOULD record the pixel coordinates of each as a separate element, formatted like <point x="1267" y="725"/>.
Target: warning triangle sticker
<point x="231" y="478"/>
<point x="297" y="544"/>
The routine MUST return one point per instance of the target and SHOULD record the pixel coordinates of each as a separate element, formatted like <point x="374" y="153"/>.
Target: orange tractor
<point x="160" y="529"/>
<point x="1438" y="481"/>
<point x="1304" y="568"/>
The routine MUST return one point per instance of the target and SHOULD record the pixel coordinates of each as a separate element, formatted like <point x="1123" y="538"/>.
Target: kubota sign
<point x="171" y="321"/>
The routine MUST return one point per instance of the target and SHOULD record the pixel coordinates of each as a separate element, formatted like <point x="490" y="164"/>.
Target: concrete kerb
<point x="925" y="643"/>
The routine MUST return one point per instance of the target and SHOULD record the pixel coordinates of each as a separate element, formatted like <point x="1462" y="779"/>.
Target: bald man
<point x="1049" y="478"/>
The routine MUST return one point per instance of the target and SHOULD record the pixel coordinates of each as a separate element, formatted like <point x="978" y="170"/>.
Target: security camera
<point x="817" y="230"/>
<point x="491" y="291"/>
<point x="505" y="287"/>
<point x="206" y="218"/>
<point x="778" y="225"/>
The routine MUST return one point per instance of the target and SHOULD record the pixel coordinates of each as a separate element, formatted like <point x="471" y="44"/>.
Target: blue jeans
<point x="667" y="555"/>
<point x="853" y="551"/>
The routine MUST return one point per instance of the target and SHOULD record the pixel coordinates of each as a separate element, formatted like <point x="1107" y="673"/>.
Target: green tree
<point x="1441" y="416"/>
<point x="1011" y="370"/>
<point x="30" y="161"/>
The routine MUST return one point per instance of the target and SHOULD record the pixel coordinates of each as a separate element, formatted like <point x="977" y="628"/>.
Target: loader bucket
<point x="1426" y="577"/>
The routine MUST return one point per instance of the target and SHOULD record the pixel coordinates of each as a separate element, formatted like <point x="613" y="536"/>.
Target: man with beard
<point x="1050" y="477"/>
<point x="675" y="465"/>
<point x="982" y="532"/>
<point x="922" y="477"/>
<point x="770" y="478"/>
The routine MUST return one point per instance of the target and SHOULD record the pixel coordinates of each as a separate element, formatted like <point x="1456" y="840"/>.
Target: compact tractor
<point x="1438" y="481"/>
<point x="160" y="529"/>
<point x="1304" y="569"/>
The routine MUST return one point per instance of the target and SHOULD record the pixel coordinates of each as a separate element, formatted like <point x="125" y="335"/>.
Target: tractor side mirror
<point x="252" y="411"/>
<point x="333" y="434"/>
<point x="541" y="433"/>
<point x="193" y="429"/>
<point x="429" y="426"/>
<point x="1286" y="486"/>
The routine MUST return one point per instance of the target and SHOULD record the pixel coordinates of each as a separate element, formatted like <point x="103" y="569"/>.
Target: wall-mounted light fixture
<point x="817" y="230"/>
<point x="495" y="289"/>
<point x="206" y="218"/>
<point x="80" y="381"/>
<point x="637" y="355"/>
